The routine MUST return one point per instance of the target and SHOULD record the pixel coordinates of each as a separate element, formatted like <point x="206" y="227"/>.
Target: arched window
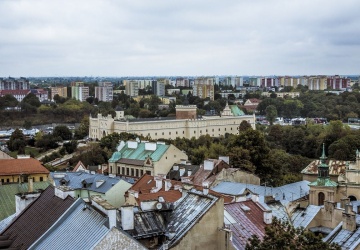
<point x="321" y="198"/>
<point x="352" y="198"/>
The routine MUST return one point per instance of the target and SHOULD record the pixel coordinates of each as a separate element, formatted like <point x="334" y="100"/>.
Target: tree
<point x="83" y="130"/>
<point x="17" y="141"/>
<point x="70" y="147"/>
<point x="271" y="113"/>
<point x="282" y="235"/>
<point x="244" y="125"/>
<point x="63" y="132"/>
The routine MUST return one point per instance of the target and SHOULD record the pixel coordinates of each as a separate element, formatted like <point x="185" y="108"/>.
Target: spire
<point x="323" y="168"/>
<point x="323" y="156"/>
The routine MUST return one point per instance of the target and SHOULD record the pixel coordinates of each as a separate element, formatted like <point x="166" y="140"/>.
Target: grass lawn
<point x="28" y="150"/>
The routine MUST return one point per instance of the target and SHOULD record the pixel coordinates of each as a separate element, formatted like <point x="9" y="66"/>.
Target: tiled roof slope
<point x="21" y="166"/>
<point x="36" y="219"/>
<point x="75" y="180"/>
<point x="77" y="228"/>
<point x="7" y="196"/>
<point x="246" y="220"/>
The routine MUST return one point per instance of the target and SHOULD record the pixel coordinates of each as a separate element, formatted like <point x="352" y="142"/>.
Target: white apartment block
<point x="104" y="92"/>
<point x="131" y="87"/>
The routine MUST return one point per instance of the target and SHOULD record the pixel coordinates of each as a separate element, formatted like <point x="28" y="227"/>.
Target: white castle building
<point x="185" y="124"/>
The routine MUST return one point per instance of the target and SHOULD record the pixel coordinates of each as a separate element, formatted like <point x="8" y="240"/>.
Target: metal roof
<point x="79" y="227"/>
<point x="236" y="111"/>
<point x="289" y="192"/>
<point x="36" y="218"/>
<point x="246" y="220"/>
<point x="7" y="196"/>
<point x="303" y="217"/>
<point x="139" y="153"/>
<point x="188" y="210"/>
<point x="75" y="180"/>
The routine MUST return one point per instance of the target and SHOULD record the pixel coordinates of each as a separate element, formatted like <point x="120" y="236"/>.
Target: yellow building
<point x="61" y="91"/>
<point x="20" y="170"/>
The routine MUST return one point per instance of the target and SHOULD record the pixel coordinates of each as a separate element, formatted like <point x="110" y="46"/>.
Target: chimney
<point x="205" y="188"/>
<point x="189" y="172"/>
<point x="167" y="184"/>
<point x="176" y="167"/>
<point x="127" y="217"/>
<point x="208" y="164"/>
<point x="106" y="208"/>
<point x="63" y="191"/>
<point x="349" y="218"/>
<point x="31" y="185"/>
<point x="23" y="200"/>
<point x="158" y="181"/>
<point x="268" y="217"/>
<point x="255" y="198"/>
<point x="343" y="202"/>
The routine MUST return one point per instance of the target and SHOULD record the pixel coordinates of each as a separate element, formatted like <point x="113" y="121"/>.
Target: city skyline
<point x="142" y="38"/>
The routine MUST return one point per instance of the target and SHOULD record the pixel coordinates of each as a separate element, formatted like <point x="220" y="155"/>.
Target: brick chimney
<point x="349" y="218"/>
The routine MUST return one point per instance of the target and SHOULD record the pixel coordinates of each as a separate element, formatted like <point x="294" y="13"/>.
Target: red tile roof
<point x="78" y="166"/>
<point x="249" y="221"/>
<point x="36" y="219"/>
<point x="147" y="182"/>
<point x="21" y="166"/>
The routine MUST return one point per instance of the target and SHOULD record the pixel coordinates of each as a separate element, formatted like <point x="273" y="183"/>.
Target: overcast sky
<point x="188" y="37"/>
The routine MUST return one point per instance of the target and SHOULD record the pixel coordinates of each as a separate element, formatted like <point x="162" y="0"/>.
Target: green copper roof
<point x="7" y="196"/>
<point x="115" y="157"/>
<point x="139" y="153"/>
<point x="236" y="111"/>
<point x="322" y="182"/>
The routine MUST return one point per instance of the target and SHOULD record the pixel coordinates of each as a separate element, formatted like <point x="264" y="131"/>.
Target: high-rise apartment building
<point x="79" y="91"/>
<point x="204" y="87"/>
<point x="131" y="87"/>
<point x="61" y="91"/>
<point x="158" y="88"/>
<point x="104" y="92"/>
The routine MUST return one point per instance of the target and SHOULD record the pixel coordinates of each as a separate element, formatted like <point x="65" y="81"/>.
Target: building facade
<point x="61" y="91"/>
<point x="79" y="91"/>
<point x="204" y="87"/>
<point x="186" y="124"/>
<point x="104" y="92"/>
<point x="14" y="84"/>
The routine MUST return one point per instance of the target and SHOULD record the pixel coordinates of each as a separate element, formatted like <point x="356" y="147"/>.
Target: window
<point x="127" y="171"/>
<point x="162" y="133"/>
<point x="176" y="132"/>
<point x="41" y="178"/>
<point x="183" y="132"/>
<point x="169" y="133"/>
<point x="137" y="172"/>
<point x="194" y="132"/>
<point x="7" y="180"/>
<point x="123" y="170"/>
<point x="174" y="156"/>
<point x="224" y="129"/>
<point x="148" y="172"/>
<point x="219" y="129"/>
<point x="212" y="130"/>
<point x="155" y="133"/>
<point x="132" y="172"/>
<point x="118" y="170"/>
<point x="142" y="172"/>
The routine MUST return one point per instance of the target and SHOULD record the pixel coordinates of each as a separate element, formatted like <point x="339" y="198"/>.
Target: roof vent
<point x="245" y="208"/>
